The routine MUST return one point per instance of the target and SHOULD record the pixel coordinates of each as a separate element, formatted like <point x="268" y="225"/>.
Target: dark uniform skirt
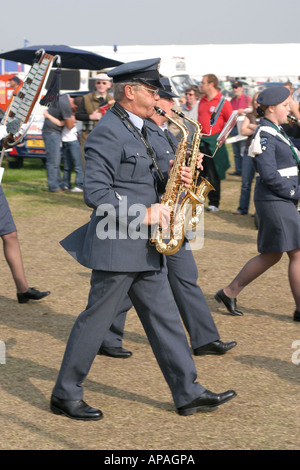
<point x="7" y="224"/>
<point x="278" y="226"/>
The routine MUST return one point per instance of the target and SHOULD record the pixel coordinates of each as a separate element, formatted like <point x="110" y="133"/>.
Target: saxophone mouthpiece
<point x="292" y="118"/>
<point x="179" y="113"/>
<point x="159" y="111"/>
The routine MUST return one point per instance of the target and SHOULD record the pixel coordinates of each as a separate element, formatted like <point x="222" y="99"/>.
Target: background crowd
<point x="67" y="127"/>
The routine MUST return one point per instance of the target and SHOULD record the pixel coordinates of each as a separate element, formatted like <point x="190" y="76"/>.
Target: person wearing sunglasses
<point x="190" y="108"/>
<point x="89" y="110"/>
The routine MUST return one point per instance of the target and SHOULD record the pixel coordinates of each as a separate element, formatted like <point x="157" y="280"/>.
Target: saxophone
<point x="198" y="191"/>
<point x="176" y="196"/>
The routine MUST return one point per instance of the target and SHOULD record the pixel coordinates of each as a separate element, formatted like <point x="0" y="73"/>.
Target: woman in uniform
<point x="276" y="196"/>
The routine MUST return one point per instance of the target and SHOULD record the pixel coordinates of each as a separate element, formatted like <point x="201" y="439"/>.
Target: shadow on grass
<point x="285" y="370"/>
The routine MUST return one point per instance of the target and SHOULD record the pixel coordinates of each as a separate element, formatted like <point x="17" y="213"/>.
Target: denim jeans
<point x="53" y="148"/>
<point x="71" y="152"/>
<point x="247" y="179"/>
<point x="210" y="173"/>
<point x="238" y="151"/>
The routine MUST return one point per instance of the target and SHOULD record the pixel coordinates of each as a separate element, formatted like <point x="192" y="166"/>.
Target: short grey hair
<point x="119" y="89"/>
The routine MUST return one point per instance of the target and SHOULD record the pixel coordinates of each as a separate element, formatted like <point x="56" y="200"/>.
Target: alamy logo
<point x="296" y="354"/>
<point x="2" y="353"/>
<point x="122" y="221"/>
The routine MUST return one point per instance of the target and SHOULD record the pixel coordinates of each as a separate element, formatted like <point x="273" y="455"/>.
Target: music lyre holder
<point x="225" y="132"/>
<point x="24" y="104"/>
<point x="213" y="119"/>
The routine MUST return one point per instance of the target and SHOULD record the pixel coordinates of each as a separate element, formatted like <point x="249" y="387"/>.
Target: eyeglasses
<point x="103" y="83"/>
<point x="153" y="91"/>
<point x="189" y="94"/>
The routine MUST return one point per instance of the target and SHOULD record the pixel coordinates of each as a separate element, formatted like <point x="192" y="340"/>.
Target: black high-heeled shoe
<point x="296" y="315"/>
<point x="229" y="303"/>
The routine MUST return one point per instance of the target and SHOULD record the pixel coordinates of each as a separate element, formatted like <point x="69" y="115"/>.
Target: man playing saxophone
<point x="120" y="174"/>
<point x="182" y="269"/>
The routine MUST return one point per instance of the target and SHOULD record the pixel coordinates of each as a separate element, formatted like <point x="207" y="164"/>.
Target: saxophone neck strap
<point x="166" y="132"/>
<point x="122" y="114"/>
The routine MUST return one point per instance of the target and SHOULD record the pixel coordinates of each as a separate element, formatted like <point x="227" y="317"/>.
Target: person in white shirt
<point x="71" y="152"/>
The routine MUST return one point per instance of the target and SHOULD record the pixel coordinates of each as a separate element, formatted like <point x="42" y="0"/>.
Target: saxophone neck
<point x="180" y="126"/>
<point x="180" y="156"/>
<point x="192" y="163"/>
<point x="192" y="121"/>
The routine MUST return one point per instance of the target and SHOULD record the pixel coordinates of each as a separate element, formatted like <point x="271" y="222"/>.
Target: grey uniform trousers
<point x="193" y="308"/>
<point x="151" y="296"/>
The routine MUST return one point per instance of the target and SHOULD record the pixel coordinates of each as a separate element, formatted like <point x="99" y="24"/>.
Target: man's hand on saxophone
<point x="185" y="174"/>
<point x="158" y="214"/>
<point x="200" y="160"/>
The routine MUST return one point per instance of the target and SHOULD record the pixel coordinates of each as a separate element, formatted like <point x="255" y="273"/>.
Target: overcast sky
<point x="129" y="22"/>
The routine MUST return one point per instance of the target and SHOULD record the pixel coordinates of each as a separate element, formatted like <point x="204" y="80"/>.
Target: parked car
<point x="32" y="146"/>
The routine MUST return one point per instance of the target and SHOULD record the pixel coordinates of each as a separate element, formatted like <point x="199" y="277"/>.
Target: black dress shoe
<point x="296" y="315"/>
<point x="216" y="347"/>
<point x="118" y="352"/>
<point x="208" y="401"/>
<point x="229" y="303"/>
<point x="31" y="294"/>
<point x="75" y="409"/>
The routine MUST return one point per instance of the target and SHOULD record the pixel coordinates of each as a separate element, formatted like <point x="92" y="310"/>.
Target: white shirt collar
<point x="136" y="120"/>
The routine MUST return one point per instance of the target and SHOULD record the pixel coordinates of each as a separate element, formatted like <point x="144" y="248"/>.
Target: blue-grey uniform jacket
<point x="164" y="150"/>
<point x="275" y="160"/>
<point x="119" y="185"/>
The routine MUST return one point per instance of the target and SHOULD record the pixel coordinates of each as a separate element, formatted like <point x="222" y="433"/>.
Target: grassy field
<point x="136" y="402"/>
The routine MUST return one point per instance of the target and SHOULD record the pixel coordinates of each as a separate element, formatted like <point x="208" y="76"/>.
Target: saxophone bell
<point x="198" y="201"/>
<point x="198" y="191"/>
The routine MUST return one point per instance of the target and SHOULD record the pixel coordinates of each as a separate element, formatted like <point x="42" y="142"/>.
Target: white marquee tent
<point x="257" y="61"/>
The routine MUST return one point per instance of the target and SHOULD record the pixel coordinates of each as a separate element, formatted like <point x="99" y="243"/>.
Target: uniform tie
<point x="144" y="131"/>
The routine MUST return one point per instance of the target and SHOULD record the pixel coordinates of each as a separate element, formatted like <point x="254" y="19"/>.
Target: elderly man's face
<point x="166" y="104"/>
<point x="102" y="86"/>
<point x="145" y="97"/>
<point x="237" y="91"/>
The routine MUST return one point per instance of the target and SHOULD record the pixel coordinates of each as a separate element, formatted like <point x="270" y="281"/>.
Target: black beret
<point x="145" y="71"/>
<point x="273" y="95"/>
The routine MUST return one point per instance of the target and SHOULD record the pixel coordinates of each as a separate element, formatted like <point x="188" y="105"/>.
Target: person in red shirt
<point x="214" y="169"/>
<point x="240" y="103"/>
